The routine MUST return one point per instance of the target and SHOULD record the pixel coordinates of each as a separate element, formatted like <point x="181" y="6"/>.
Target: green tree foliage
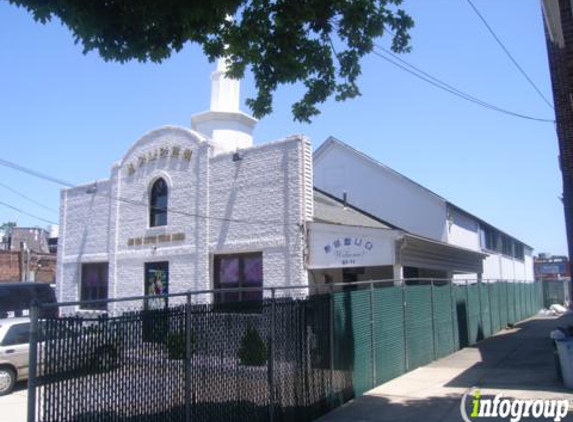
<point x="7" y="226"/>
<point x="253" y="351"/>
<point x="316" y="42"/>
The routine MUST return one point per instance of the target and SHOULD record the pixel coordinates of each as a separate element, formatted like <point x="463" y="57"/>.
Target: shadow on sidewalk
<point x="521" y="358"/>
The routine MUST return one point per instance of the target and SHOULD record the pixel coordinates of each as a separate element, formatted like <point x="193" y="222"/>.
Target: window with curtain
<point x="94" y="285"/>
<point x="158" y="204"/>
<point x="239" y="270"/>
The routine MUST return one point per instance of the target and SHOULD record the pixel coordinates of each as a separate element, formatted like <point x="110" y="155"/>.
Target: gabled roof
<point x="415" y="250"/>
<point x="328" y="209"/>
<point x="332" y="141"/>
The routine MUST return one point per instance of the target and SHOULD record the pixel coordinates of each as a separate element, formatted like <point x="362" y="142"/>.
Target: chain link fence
<point x="291" y="357"/>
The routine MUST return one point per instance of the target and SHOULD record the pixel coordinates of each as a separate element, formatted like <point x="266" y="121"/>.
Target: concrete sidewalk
<point x="517" y="362"/>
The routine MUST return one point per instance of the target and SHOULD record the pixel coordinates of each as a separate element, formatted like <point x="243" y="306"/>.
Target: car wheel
<point x="7" y="380"/>
<point x="105" y="358"/>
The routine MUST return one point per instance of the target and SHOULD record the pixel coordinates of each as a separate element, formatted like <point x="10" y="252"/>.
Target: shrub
<point x="176" y="344"/>
<point x="253" y="351"/>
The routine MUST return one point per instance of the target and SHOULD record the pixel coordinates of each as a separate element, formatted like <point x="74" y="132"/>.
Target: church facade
<point x="190" y="209"/>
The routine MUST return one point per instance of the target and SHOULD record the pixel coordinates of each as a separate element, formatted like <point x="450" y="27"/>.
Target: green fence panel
<point x="519" y="303"/>
<point x="474" y="314"/>
<point x="443" y="320"/>
<point x="486" y="320"/>
<point x="524" y="313"/>
<point x="455" y="327"/>
<point x="553" y="292"/>
<point x="536" y="298"/>
<point x="532" y="310"/>
<point x="510" y="287"/>
<point x="516" y="300"/>
<point x="504" y="304"/>
<point x="493" y="289"/>
<point x="419" y="333"/>
<point x="352" y="338"/>
<point x="389" y="333"/>
<point x="461" y="313"/>
<point x="526" y="305"/>
<point x="528" y="299"/>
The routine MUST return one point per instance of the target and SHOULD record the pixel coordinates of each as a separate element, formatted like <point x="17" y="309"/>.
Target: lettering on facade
<point x="175" y="152"/>
<point x="151" y="240"/>
<point x="348" y="250"/>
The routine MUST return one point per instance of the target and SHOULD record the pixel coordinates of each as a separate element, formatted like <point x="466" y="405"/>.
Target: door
<point x="156" y="312"/>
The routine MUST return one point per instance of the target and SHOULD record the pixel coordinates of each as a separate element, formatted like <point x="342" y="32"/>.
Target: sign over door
<point x="338" y="246"/>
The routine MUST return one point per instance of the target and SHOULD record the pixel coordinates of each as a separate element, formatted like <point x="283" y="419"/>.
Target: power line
<point x="420" y="74"/>
<point x="426" y="77"/>
<point x="14" y="191"/>
<point x="451" y="88"/>
<point x="504" y="48"/>
<point x="35" y="173"/>
<point x="43" y="176"/>
<point x="27" y="213"/>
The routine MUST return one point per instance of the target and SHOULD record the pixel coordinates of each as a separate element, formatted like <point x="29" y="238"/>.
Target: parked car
<point x="15" y="298"/>
<point x="91" y="349"/>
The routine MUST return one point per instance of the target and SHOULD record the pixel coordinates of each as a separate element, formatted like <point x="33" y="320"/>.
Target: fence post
<point x="453" y="305"/>
<point x="480" y="310"/>
<point x="331" y="345"/>
<point x="506" y="302"/>
<point x="404" y="305"/>
<point x="468" y="322"/>
<point x="188" y="356"/>
<point x="490" y="308"/>
<point x="433" y="316"/>
<point x="272" y="359"/>
<point x="515" y="303"/>
<point x="33" y="360"/>
<point x="372" y="334"/>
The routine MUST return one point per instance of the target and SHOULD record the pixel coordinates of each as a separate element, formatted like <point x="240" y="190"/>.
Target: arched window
<point x="158" y="204"/>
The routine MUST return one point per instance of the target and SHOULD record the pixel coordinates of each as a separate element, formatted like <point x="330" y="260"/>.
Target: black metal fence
<point x="293" y="357"/>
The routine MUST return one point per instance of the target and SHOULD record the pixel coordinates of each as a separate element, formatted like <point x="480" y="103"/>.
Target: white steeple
<point x="227" y="126"/>
<point x="224" y="91"/>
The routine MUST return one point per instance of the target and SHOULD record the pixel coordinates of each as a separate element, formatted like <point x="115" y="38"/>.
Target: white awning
<point x="421" y="252"/>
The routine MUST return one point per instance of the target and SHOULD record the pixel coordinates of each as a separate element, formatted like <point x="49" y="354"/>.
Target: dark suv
<point x="15" y="298"/>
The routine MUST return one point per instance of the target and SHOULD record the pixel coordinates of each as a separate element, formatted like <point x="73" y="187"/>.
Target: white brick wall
<point x="221" y="205"/>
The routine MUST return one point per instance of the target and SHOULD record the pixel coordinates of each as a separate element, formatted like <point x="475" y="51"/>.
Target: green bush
<point x="176" y="344"/>
<point x="253" y="351"/>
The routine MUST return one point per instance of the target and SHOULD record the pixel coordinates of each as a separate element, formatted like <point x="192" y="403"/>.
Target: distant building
<point x="551" y="267"/>
<point x="3" y="241"/>
<point x="29" y="254"/>
<point x="53" y="234"/>
<point x="34" y="238"/>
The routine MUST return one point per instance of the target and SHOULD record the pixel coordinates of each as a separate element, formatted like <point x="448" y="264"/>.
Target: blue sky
<point x="72" y="115"/>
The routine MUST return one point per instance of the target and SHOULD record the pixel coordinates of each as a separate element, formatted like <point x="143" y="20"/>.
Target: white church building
<point x="205" y="208"/>
<point x="190" y="209"/>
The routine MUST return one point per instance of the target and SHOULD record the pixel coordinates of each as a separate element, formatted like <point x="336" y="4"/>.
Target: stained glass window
<point x="158" y="204"/>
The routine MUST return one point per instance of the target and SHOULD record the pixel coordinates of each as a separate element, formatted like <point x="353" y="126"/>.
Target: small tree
<point x="7" y="226"/>
<point x="177" y="342"/>
<point x="253" y="351"/>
